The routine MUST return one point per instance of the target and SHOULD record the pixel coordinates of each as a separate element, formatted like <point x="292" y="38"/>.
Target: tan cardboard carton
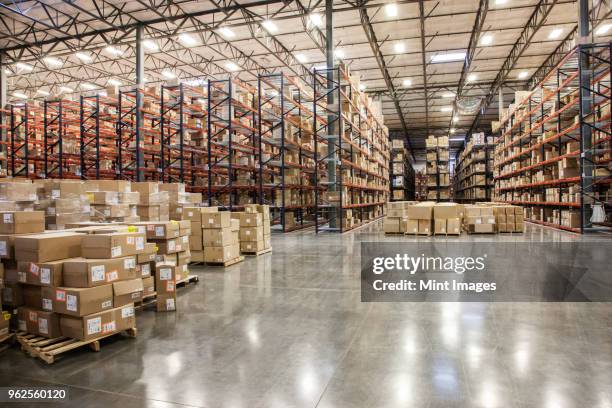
<point x="32" y="296"/>
<point x="98" y="324"/>
<point x="22" y="222"/>
<point x="39" y="322"/>
<point x="195" y="242"/>
<point x="127" y="291"/>
<point x="148" y="255"/>
<point x="251" y="234"/>
<point x="392" y="225"/>
<point x="77" y="301"/>
<point x="453" y="226"/>
<point x="221" y="254"/>
<point x="161" y="229"/>
<point x="251" y="220"/>
<point x="166" y="277"/>
<point x="170" y="246"/>
<point x="84" y="273"/>
<point x="252" y="246"/>
<point x="166" y="302"/>
<point x="42" y="274"/>
<point x="114" y="185"/>
<point x="424" y="226"/>
<point x="148" y="286"/>
<point x="421" y="211"/>
<point x="48" y="247"/>
<point x="446" y="211"/>
<point x="218" y="237"/>
<point x="113" y="245"/>
<point x="197" y="256"/>
<point x="439" y="226"/>
<point x="216" y="220"/>
<point x="412" y="226"/>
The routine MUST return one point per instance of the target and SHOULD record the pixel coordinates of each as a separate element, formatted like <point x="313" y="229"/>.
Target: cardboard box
<point x="166" y="277"/>
<point x="145" y="187"/>
<point x="250" y="220"/>
<point x="5" y="319"/>
<point x="481" y="228"/>
<point x="412" y="226"/>
<point x="391" y="225"/>
<point x="161" y="230"/>
<point x="127" y="291"/>
<point x="421" y="211"/>
<point x="144" y="270"/>
<point x="216" y="220"/>
<point x="103" y="198"/>
<point x="114" y="185"/>
<point x="148" y="286"/>
<point x="39" y="322"/>
<point x="113" y="245"/>
<point x="170" y="246"/>
<point x="439" y="226"/>
<point x="252" y="246"/>
<point x="48" y="247"/>
<point x="424" y="226"/>
<point x="219" y="237"/>
<point x="11" y="294"/>
<point x="77" y="301"/>
<point x="221" y="254"/>
<point x="148" y="255"/>
<point x="197" y="256"/>
<point x="453" y="226"/>
<point x="42" y="274"/>
<point x="85" y="273"/>
<point x="195" y="242"/>
<point x="251" y="233"/>
<point x="32" y="296"/>
<point x="98" y="324"/>
<point x="22" y="222"/>
<point x="446" y="211"/>
<point x="166" y="302"/>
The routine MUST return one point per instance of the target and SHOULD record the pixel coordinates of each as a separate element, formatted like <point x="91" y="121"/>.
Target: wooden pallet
<point x="257" y="253"/>
<point x="189" y="279"/>
<point x="6" y="341"/>
<point x="228" y="263"/>
<point x="49" y="350"/>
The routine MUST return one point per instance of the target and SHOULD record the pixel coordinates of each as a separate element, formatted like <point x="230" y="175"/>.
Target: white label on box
<point x="171" y="245"/>
<point x="146" y="269"/>
<point x="186" y="240"/>
<point x="98" y="273"/>
<point x="47" y="304"/>
<point x="141" y="229"/>
<point x="178" y="210"/>
<point x="159" y="231"/>
<point x="3" y="248"/>
<point x="71" y="303"/>
<point x="50" y="210"/>
<point x="107" y="213"/>
<point x="60" y="295"/>
<point x="21" y="276"/>
<point x="127" y="311"/>
<point x="136" y="295"/>
<point x="55" y="193"/>
<point x="8" y="218"/>
<point x="22" y="325"/>
<point x="130" y="240"/>
<point x="45" y="275"/>
<point x="33" y="316"/>
<point x="247" y="232"/>
<point x="165" y="273"/>
<point x="43" y="326"/>
<point x="478" y="221"/>
<point x="140" y="243"/>
<point x="129" y="263"/>
<point x="112" y="276"/>
<point x="106" y="304"/>
<point x="170" y="286"/>
<point x="116" y="251"/>
<point x="150" y="227"/>
<point x="170" y="304"/>
<point x="109" y="327"/>
<point x="184" y="268"/>
<point x="94" y="325"/>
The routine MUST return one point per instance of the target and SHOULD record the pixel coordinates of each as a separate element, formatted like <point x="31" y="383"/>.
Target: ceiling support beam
<point x="3" y="102"/>
<point x="536" y="20"/>
<point x="140" y="75"/>
<point x="382" y="65"/>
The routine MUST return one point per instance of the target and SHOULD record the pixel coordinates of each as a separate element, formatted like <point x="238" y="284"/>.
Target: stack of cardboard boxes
<point x="112" y="201"/>
<point x="255" y="229"/>
<point x="479" y="219"/>
<point x="178" y="198"/>
<point x="447" y="218"/>
<point x="194" y="216"/>
<point x="153" y="204"/>
<point x="220" y="234"/>
<point x="63" y="201"/>
<point x="419" y="218"/>
<point x="508" y="218"/>
<point x="397" y="213"/>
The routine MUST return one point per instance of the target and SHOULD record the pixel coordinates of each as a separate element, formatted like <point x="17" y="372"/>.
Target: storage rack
<point x="61" y="143"/>
<point x="564" y="121"/>
<point x="438" y="168"/>
<point x="351" y="153"/>
<point x="473" y="173"/>
<point x="233" y="144"/>
<point x="24" y="144"/>
<point x="287" y="151"/>
<point x="420" y="185"/>
<point x="402" y="178"/>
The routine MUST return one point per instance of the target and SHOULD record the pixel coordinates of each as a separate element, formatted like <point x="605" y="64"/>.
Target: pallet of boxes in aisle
<point x="70" y="277"/>
<point x="430" y="218"/>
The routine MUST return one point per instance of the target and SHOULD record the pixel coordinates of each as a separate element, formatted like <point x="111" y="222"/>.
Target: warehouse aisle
<point x="289" y="330"/>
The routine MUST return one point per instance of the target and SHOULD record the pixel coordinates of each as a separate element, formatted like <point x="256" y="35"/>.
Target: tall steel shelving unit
<point x="474" y="161"/>
<point x="401" y="181"/>
<point x="22" y="142"/>
<point x="61" y="143"/>
<point x="566" y="117"/>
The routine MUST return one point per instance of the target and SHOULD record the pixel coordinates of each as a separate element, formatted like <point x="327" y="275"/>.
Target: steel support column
<point x="3" y="102"/>
<point x="331" y="147"/>
<point x="138" y="174"/>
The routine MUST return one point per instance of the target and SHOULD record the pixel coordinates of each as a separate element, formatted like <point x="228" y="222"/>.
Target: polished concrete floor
<point x="288" y="330"/>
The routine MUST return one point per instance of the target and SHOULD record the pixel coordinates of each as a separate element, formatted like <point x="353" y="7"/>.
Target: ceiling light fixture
<point x="316" y="19"/>
<point x="269" y="26"/>
<point x="88" y="86"/>
<point x="301" y="58"/>
<point x="83" y="57"/>
<point x="168" y="74"/>
<point x="187" y="40"/>
<point x="446" y="109"/>
<point x="43" y="92"/>
<point x="603" y="29"/>
<point x="113" y="51"/>
<point x="448" y="57"/>
<point x="232" y="66"/>
<point x="24" y="67"/>
<point x="53" y="62"/>
<point x="556" y="33"/>
<point x="150" y="45"/>
<point x="114" y="82"/>
<point x="391" y="10"/>
<point x="448" y="95"/>
<point x="362" y="87"/>
<point x="407" y="83"/>
<point x="20" y="95"/>
<point x="399" y="47"/>
<point x="339" y="53"/>
<point x="472" y="77"/>
<point x="486" y="39"/>
<point x="227" y="32"/>
<point x="65" y="89"/>
<point x="523" y="74"/>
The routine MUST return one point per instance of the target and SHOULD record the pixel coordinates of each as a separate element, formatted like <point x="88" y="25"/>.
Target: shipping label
<point x="159" y="231"/>
<point x="165" y="273"/>
<point x="127" y="311"/>
<point x="47" y="304"/>
<point x="112" y="276"/>
<point x="106" y="304"/>
<point x="60" y="295"/>
<point x="3" y="251"/>
<point x="94" y="325"/>
<point x="43" y="326"/>
<point x="45" y="276"/>
<point x="33" y="316"/>
<point x="8" y="218"/>
<point x="170" y="285"/>
<point x="71" y="303"/>
<point x="98" y="273"/>
<point x="109" y="327"/>
<point x="170" y="305"/>
<point x="140" y="243"/>
<point x="116" y="251"/>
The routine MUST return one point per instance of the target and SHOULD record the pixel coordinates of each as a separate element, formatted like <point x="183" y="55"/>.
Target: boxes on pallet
<point x="77" y="301"/>
<point x="82" y="272"/>
<point x="113" y="245"/>
<point x="221" y="237"/>
<point x="48" y="246"/>
<point x="153" y="204"/>
<point x="22" y="222"/>
<point x="479" y="219"/>
<point x="419" y="218"/>
<point x="38" y="322"/>
<point x="447" y="218"/>
<point x="98" y="324"/>
<point x="63" y="202"/>
<point x="165" y="286"/>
